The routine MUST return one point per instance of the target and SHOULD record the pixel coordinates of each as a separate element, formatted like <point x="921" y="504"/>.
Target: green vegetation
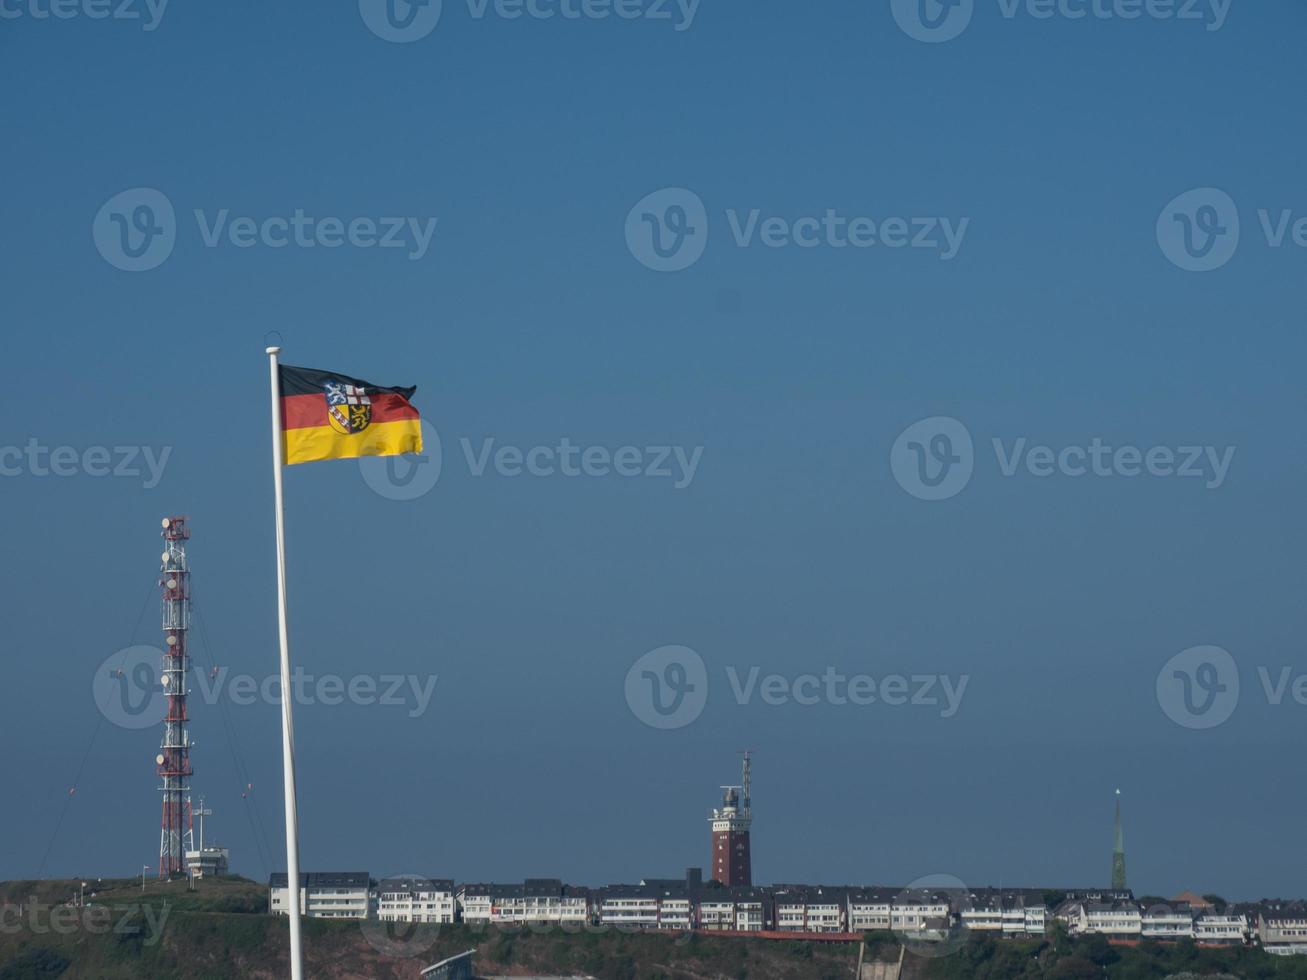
<point x="1058" y="957"/>
<point x="220" y="930"/>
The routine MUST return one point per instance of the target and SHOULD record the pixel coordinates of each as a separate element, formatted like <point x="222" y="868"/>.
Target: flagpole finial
<point x="273" y="350"/>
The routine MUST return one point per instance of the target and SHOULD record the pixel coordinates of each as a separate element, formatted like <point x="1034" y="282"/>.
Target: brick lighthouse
<point x="731" y="862"/>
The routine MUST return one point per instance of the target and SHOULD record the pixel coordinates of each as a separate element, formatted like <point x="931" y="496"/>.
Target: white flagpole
<point x="287" y="728"/>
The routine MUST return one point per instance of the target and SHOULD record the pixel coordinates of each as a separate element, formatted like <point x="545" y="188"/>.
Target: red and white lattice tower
<point x="173" y="763"/>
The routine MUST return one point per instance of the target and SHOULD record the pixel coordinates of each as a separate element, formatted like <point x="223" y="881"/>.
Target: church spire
<point x="1118" y="851"/>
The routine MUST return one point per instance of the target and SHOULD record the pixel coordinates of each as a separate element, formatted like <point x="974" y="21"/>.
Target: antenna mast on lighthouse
<point x="173" y="763"/>
<point x="746" y="802"/>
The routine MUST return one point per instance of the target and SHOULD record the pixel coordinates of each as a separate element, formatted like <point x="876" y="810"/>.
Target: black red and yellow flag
<point x="332" y="416"/>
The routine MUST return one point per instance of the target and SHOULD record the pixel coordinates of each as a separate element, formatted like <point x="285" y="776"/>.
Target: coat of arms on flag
<point x="348" y="407"/>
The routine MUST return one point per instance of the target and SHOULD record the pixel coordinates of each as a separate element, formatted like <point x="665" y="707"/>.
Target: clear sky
<point x="535" y="312"/>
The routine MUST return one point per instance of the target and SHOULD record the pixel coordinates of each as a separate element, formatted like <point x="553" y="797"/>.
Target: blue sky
<point x="531" y="316"/>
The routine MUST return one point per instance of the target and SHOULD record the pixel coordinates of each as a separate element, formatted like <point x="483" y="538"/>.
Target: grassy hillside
<point x="220" y="931"/>
<point x="1061" y="958"/>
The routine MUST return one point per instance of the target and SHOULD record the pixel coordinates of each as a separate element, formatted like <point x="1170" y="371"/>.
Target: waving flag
<point x="332" y="416"/>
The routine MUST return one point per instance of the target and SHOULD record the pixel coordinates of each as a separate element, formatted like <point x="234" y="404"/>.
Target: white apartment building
<point x="324" y="895"/>
<point x="987" y="918"/>
<point x="648" y="905"/>
<point x="750" y="914"/>
<point x="631" y="909"/>
<point x="537" y="901"/>
<point x="869" y="910"/>
<point x="1283" y="929"/>
<point x="1214" y="927"/>
<point x="732" y="910"/>
<point x="675" y="913"/>
<point x="803" y="909"/>
<point x="1004" y="914"/>
<point x="921" y="911"/>
<point x="415" y="899"/>
<point x="1035" y="917"/>
<point x="1167" y="922"/>
<point x="717" y="914"/>
<point x="1117" y="918"/>
<point x="475" y="903"/>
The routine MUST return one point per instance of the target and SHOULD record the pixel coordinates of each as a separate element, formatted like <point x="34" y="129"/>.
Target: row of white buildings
<point x="668" y="904"/>
<point x="690" y="904"/>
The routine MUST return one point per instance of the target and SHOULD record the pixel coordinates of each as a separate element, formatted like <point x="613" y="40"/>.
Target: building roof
<point x="415" y="883"/>
<point x="1112" y="905"/>
<point x="531" y="888"/>
<point x="996" y="899"/>
<point x="738" y="894"/>
<point x="323" y="879"/>
<point x="810" y="895"/>
<point x="657" y="889"/>
<point x="1278" y="910"/>
<point x="1163" y="911"/>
